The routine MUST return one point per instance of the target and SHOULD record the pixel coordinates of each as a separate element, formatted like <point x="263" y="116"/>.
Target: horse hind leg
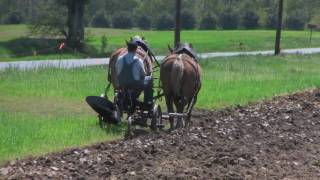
<point x="180" y="106"/>
<point x="190" y="109"/>
<point x="169" y="102"/>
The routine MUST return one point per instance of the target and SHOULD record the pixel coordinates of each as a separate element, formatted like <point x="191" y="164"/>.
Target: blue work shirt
<point x="138" y="71"/>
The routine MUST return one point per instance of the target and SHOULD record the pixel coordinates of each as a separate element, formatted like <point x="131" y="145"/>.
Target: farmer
<point x="131" y="73"/>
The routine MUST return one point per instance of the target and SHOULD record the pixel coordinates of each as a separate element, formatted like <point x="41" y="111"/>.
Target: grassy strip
<point x="44" y="110"/>
<point x="231" y="81"/>
<point x="14" y="40"/>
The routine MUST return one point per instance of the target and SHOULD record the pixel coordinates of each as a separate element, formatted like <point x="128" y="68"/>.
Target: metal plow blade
<point x="103" y="107"/>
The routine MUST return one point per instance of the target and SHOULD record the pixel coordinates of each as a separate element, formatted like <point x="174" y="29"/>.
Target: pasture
<point x="16" y="43"/>
<point x="44" y="110"/>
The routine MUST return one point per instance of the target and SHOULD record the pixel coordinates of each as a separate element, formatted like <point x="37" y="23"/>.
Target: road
<point x="72" y="63"/>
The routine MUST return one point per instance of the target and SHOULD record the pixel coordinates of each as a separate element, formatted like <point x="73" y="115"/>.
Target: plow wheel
<point x="156" y="119"/>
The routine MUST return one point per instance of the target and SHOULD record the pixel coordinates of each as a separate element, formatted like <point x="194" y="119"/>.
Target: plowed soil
<point x="276" y="139"/>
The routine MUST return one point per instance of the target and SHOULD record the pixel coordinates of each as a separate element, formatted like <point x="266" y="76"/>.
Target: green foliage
<point x="264" y="10"/>
<point x="104" y="43"/>
<point x="122" y="20"/>
<point x="203" y="41"/>
<point x="100" y="21"/>
<point x="144" y="22"/>
<point x="250" y="20"/>
<point x="188" y="20"/>
<point x="271" y="21"/>
<point x="295" y="22"/>
<point x="13" y="18"/>
<point x="208" y="22"/>
<point x="164" y="22"/>
<point x="51" y="20"/>
<point x="229" y="20"/>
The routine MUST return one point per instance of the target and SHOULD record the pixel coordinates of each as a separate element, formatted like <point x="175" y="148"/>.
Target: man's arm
<point x="119" y="65"/>
<point x="141" y="70"/>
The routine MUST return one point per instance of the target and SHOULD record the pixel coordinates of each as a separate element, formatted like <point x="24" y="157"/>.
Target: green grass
<point x="240" y="80"/>
<point x="43" y="111"/>
<point x="15" y="40"/>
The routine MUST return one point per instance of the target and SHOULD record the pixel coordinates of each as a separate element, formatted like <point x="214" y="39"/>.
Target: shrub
<point x="164" y="22"/>
<point x="208" y="22"/>
<point x="13" y="18"/>
<point x="144" y="22"/>
<point x="122" y="20"/>
<point x="188" y="20"/>
<point x="295" y="22"/>
<point x="250" y="20"/>
<point x="229" y="20"/>
<point x="272" y="21"/>
<point x="100" y="21"/>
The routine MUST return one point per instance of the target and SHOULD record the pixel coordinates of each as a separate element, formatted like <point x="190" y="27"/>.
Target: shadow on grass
<point x="42" y="46"/>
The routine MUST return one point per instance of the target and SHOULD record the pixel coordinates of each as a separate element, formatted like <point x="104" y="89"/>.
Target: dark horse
<point x="180" y="78"/>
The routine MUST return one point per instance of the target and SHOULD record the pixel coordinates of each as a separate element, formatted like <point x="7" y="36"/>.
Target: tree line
<point x="159" y="14"/>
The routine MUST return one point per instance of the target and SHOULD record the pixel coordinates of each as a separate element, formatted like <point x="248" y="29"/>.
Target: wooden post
<point x="279" y="28"/>
<point x="310" y="40"/>
<point x="311" y="27"/>
<point x="177" y="23"/>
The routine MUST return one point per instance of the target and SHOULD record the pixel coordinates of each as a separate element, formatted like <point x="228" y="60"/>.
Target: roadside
<point x="73" y="63"/>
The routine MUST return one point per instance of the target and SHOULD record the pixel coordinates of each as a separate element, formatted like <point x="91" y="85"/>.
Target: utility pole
<point x="177" y="23"/>
<point x="279" y="28"/>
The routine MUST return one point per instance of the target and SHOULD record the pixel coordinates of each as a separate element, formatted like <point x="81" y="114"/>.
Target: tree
<point x="100" y="20"/>
<point x="144" y="22"/>
<point x="279" y="28"/>
<point x="122" y="20"/>
<point x="62" y="17"/>
<point x="164" y="22"/>
<point x="271" y="21"/>
<point x="208" y="22"/>
<point x="51" y="19"/>
<point x="75" y="38"/>
<point x="229" y="20"/>
<point x="295" y="22"/>
<point x="13" y="18"/>
<point x="250" y="20"/>
<point x="188" y="20"/>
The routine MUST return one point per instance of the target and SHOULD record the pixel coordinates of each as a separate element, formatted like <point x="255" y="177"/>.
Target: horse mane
<point x="177" y="75"/>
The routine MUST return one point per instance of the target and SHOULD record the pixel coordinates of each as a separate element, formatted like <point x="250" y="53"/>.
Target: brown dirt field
<point x="276" y="139"/>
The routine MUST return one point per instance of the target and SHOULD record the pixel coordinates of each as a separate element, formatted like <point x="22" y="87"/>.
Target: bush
<point x="165" y="22"/>
<point x="144" y="22"/>
<point x="208" y="22"/>
<point x="272" y="21"/>
<point x="229" y="20"/>
<point x="100" y="21"/>
<point x="250" y="20"/>
<point x="188" y="20"/>
<point x="295" y="22"/>
<point x="13" y="18"/>
<point x="122" y="20"/>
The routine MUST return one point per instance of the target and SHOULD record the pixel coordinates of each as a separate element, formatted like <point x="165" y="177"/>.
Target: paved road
<point x="72" y="63"/>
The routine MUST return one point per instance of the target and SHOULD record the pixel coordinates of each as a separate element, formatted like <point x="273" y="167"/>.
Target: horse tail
<point x="177" y="75"/>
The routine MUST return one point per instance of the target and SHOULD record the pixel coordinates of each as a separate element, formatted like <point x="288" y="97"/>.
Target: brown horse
<point x="180" y="78"/>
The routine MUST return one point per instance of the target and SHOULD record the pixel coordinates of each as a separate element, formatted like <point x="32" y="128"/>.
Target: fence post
<point x="279" y="28"/>
<point x="177" y="23"/>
